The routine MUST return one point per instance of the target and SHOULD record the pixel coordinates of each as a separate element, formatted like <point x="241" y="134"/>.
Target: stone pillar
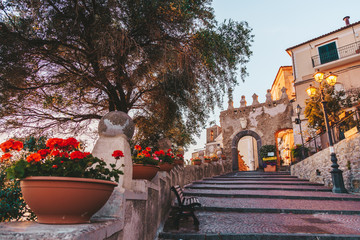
<point x="115" y="129"/>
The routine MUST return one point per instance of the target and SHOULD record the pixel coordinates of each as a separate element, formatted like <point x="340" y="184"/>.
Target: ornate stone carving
<point x="268" y="96"/>
<point x="255" y="99"/>
<point x="231" y="104"/>
<point x="283" y="93"/>
<point x="242" y="101"/>
<point x="243" y="122"/>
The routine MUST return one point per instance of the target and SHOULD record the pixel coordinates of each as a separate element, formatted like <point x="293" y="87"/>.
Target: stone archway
<point x="234" y="147"/>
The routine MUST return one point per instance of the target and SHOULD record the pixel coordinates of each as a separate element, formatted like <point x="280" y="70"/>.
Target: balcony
<point x="339" y="53"/>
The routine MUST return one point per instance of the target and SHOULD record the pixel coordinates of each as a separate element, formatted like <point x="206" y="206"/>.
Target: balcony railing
<point x="342" y="52"/>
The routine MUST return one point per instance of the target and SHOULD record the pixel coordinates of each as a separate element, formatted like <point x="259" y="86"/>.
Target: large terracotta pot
<point x="65" y="200"/>
<point x="207" y="161"/>
<point x="147" y="172"/>
<point x="270" y="168"/>
<point x="166" y="167"/>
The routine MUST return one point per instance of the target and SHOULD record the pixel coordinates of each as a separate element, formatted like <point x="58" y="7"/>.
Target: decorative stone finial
<point x="116" y="123"/>
<point x="268" y="96"/>
<point x="283" y="93"/>
<point x="242" y="101"/>
<point x="231" y="104"/>
<point x="164" y="144"/>
<point x="255" y="99"/>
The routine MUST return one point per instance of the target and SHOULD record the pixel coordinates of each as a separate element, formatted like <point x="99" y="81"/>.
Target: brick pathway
<point x="254" y="205"/>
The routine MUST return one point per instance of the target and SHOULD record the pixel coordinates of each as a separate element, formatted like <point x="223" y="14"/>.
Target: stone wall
<point x="317" y="167"/>
<point x="146" y="207"/>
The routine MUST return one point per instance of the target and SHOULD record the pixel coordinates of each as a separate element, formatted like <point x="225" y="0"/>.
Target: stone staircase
<point x="256" y="205"/>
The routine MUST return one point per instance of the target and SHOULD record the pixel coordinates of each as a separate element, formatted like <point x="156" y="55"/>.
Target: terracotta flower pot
<point x="166" y="167"/>
<point x="65" y="200"/>
<point x="270" y="168"/>
<point x="179" y="162"/>
<point x="147" y="172"/>
<point x="207" y="161"/>
<point x="197" y="162"/>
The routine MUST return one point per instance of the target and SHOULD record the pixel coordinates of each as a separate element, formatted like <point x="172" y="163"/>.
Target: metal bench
<point x="186" y="206"/>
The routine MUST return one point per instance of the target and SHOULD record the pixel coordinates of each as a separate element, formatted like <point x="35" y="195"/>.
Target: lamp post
<point x="298" y="121"/>
<point x="336" y="173"/>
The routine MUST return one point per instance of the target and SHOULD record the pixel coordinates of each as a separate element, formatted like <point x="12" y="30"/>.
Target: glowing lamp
<point x="311" y="91"/>
<point x="331" y="79"/>
<point x="319" y="76"/>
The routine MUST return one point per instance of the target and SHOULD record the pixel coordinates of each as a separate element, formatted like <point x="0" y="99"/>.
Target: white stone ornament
<point x="243" y="122"/>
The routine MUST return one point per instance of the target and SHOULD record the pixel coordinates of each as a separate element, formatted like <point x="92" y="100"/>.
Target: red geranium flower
<point x="71" y="142"/>
<point x="43" y="153"/>
<point x="137" y="147"/>
<point x="17" y="145"/>
<point x="54" y="143"/>
<point x="117" y="154"/>
<point x="169" y="150"/>
<point x="161" y="152"/>
<point x="34" y="157"/>
<point x="54" y="166"/>
<point x="6" y="156"/>
<point x="77" y="155"/>
<point x="55" y="153"/>
<point x="148" y="149"/>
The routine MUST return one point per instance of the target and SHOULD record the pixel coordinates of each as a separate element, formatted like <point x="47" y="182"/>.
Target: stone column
<point x="115" y="130"/>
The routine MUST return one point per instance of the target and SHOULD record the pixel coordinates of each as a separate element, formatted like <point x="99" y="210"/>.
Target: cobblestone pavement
<point x="254" y="205"/>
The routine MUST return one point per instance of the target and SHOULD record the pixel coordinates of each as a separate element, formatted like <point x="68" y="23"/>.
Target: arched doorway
<point x="255" y="139"/>
<point x="284" y="143"/>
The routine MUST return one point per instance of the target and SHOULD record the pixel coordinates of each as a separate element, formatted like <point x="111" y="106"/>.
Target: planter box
<point x="270" y="168"/>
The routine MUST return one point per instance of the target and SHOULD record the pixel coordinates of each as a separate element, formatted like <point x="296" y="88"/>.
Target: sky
<point x="277" y="25"/>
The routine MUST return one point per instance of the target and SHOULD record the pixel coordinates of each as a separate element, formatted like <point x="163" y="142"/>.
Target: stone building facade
<point x="261" y="121"/>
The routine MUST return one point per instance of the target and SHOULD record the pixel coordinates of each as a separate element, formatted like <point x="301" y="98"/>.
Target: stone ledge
<point x="97" y="229"/>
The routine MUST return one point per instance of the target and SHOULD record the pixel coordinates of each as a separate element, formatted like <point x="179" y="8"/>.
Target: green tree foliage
<point x="64" y="63"/>
<point x="314" y="111"/>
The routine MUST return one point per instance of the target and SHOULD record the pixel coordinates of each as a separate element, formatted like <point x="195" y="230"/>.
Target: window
<point x="328" y="53"/>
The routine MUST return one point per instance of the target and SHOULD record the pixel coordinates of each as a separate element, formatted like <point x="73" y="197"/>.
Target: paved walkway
<point x="254" y="205"/>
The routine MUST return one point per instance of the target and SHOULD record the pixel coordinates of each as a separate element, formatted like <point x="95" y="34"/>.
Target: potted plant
<point x="207" y="159"/>
<point x="296" y="152"/>
<point x="60" y="183"/>
<point x="267" y="154"/>
<point x="214" y="158"/>
<point x="166" y="160"/>
<point x="145" y="164"/>
<point x="179" y="159"/>
<point x="196" y="161"/>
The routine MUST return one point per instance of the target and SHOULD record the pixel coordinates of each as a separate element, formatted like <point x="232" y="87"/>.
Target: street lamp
<point x="336" y="173"/>
<point x="298" y="121"/>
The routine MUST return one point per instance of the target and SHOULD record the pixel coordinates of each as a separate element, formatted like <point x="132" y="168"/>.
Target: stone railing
<point x="144" y="209"/>
<point x="317" y="167"/>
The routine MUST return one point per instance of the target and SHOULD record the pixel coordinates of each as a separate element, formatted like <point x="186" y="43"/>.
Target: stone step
<point x="272" y="194"/>
<point x="279" y="205"/>
<point x="254" y="176"/>
<point x="261" y="187"/>
<point x="254" y="179"/>
<point x="253" y="173"/>
<point x="304" y="183"/>
<point x="225" y="225"/>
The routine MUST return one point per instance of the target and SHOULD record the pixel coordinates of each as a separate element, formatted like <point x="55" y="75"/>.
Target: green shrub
<point x="12" y="205"/>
